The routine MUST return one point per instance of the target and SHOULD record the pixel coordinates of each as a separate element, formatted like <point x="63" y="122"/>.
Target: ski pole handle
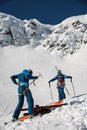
<point x="49" y="84"/>
<point x="71" y="80"/>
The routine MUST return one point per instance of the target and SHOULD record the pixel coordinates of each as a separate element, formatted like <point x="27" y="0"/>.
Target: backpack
<point x="61" y="79"/>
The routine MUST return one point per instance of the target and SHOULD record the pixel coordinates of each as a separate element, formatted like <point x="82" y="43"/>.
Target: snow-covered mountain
<point x="31" y="44"/>
<point x="66" y="37"/>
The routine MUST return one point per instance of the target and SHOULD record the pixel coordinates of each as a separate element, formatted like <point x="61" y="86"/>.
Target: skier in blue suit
<point x="22" y="81"/>
<point x="60" y="77"/>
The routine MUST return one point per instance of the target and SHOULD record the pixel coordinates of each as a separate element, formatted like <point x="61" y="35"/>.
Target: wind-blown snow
<point x="13" y="59"/>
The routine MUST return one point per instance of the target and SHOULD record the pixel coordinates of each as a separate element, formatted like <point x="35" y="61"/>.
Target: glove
<point x="49" y="83"/>
<point x="18" y="84"/>
<point x="71" y="79"/>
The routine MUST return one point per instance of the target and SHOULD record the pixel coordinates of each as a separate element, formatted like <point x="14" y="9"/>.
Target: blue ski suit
<point x="60" y="84"/>
<point x="22" y="80"/>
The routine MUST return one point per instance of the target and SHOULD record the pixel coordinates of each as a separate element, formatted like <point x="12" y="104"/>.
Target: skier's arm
<point x="53" y="79"/>
<point x="33" y="77"/>
<point x="67" y="77"/>
<point x="13" y="78"/>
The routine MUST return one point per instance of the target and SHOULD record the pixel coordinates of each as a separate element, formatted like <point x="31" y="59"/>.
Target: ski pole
<point x="73" y="88"/>
<point x="67" y="90"/>
<point x="51" y="92"/>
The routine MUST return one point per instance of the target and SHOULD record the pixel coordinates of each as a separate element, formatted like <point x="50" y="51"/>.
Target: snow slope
<point x="13" y="59"/>
<point x="71" y="117"/>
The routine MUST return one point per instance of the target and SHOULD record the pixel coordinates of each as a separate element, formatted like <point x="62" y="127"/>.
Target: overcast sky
<point x="46" y="11"/>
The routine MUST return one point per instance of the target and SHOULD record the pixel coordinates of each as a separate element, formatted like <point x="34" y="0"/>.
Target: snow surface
<point x="13" y="59"/>
<point x="72" y="117"/>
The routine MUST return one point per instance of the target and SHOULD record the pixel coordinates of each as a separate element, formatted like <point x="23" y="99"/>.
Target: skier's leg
<point x="62" y="92"/>
<point x="19" y="106"/>
<point x="30" y="102"/>
<point x="59" y="93"/>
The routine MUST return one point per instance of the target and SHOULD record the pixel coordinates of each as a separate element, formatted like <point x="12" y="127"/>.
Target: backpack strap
<point x="61" y="80"/>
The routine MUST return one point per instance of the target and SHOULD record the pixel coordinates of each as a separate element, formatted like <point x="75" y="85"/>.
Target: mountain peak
<point x="62" y="39"/>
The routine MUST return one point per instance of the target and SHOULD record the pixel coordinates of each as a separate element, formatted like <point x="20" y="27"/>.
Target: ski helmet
<point x="59" y="72"/>
<point x="26" y="72"/>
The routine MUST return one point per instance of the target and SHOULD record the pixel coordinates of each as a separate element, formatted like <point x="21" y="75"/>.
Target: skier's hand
<point x="38" y="76"/>
<point x="18" y="84"/>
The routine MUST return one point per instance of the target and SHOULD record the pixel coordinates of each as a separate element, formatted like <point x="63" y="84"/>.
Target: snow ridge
<point x="62" y="39"/>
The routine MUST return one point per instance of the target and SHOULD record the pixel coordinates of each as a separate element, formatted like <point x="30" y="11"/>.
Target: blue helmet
<point x="27" y="72"/>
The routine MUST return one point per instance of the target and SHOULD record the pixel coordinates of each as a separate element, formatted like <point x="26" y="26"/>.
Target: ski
<point x="44" y="109"/>
<point x="39" y="110"/>
<point x="24" y="118"/>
